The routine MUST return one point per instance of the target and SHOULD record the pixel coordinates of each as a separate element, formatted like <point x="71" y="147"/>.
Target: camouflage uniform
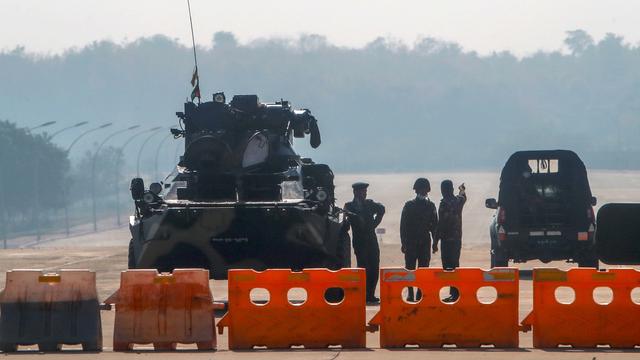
<point x="417" y="224"/>
<point x="450" y="228"/>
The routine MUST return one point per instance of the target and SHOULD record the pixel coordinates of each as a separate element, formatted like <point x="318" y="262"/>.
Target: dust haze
<point x="393" y="190"/>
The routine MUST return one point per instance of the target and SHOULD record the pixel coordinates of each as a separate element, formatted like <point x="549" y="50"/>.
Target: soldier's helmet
<point x="422" y="183"/>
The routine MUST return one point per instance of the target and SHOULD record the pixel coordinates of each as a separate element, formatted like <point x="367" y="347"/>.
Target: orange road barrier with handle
<point x="163" y="309"/>
<point x="583" y="322"/>
<point x="50" y="309"/>
<point x="328" y="316"/>
<point x="432" y="323"/>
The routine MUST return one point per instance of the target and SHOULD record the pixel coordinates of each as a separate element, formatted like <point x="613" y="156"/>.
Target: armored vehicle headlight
<point x="321" y="195"/>
<point x="148" y="198"/>
<point x="155" y="188"/>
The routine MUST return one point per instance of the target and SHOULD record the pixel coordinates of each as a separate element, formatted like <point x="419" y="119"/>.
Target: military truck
<point x="240" y="196"/>
<point x="544" y="210"/>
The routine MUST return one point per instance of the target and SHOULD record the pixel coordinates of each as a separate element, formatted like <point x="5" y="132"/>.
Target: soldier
<point x="364" y="216"/>
<point x="417" y="226"/>
<point x="450" y="229"/>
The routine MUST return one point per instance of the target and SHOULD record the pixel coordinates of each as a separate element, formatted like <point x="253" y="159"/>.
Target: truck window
<point x="543" y="166"/>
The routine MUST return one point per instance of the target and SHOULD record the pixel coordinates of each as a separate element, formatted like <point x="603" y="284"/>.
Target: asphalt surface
<point x="109" y="261"/>
<point x="106" y="253"/>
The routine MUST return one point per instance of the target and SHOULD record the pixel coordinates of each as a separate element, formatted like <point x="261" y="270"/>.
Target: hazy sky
<point x="481" y="25"/>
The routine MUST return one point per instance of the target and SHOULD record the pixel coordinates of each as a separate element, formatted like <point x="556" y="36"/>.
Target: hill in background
<point x="384" y="107"/>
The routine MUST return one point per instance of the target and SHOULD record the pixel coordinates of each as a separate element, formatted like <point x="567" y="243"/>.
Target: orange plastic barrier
<point x="432" y="323"/>
<point x="50" y="309"/>
<point x="279" y="323"/>
<point x="163" y="309"/>
<point x="584" y="323"/>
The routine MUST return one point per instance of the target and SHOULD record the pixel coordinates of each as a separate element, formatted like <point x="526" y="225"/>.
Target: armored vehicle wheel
<point x="344" y="250"/>
<point x="132" y="258"/>
<point x="8" y="347"/>
<point x="49" y="347"/>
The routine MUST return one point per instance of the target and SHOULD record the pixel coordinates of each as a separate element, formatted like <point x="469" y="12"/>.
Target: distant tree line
<point x="37" y="182"/>
<point x="384" y="107"/>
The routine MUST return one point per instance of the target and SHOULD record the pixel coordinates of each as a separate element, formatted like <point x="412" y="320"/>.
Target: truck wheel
<point x="132" y="259"/>
<point x="498" y="256"/>
<point x="589" y="261"/>
<point x="498" y="259"/>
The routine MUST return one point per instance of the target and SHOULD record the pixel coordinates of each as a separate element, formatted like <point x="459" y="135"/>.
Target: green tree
<point x="108" y="163"/>
<point x="33" y="174"/>
<point x="578" y="41"/>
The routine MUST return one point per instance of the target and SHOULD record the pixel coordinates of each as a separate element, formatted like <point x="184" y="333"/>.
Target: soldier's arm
<point x="403" y="226"/>
<point x="462" y="199"/>
<point x="442" y="220"/>
<point x="434" y="217"/>
<point x="462" y="195"/>
<point x="347" y="221"/>
<point x="344" y="230"/>
<point x="379" y="211"/>
<point x="435" y="229"/>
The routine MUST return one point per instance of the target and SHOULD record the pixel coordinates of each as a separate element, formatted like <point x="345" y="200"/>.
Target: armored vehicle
<point x="544" y="210"/>
<point x="240" y="197"/>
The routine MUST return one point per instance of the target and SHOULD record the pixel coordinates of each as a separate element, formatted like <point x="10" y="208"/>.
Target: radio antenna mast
<point x="195" y="78"/>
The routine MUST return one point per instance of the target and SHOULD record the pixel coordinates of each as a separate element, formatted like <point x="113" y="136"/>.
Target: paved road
<point x="109" y="261"/>
<point x="105" y="252"/>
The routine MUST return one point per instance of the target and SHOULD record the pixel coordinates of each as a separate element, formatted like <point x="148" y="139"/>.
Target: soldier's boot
<point x="410" y="297"/>
<point x="454" y="294"/>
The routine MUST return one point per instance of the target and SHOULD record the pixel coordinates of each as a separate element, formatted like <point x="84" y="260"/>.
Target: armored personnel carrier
<point x="240" y="197"/>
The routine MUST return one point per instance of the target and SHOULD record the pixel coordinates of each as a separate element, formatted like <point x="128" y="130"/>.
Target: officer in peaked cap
<point x="363" y="216"/>
<point x="360" y="185"/>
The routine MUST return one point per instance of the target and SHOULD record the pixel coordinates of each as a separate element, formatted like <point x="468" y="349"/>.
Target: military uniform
<point x="364" y="216"/>
<point x="449" y="231"/>
<point x="417" y="224"/>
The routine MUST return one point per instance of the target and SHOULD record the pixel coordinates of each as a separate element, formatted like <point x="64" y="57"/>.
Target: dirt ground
<point x="106" y="253"/>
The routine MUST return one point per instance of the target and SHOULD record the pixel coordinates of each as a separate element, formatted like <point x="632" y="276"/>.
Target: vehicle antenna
<point x="195" y="78"/>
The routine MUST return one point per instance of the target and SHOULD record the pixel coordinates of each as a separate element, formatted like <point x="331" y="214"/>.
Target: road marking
<point x="80" y="261"/>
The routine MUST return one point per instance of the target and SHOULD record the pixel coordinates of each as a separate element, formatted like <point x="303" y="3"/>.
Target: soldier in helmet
<point x="364" y="216"/>
<point x="417" y="225"/>
<point x="450" y="229"/>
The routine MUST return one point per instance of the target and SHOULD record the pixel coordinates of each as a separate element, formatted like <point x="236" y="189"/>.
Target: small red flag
<point x="195" y="82"/>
